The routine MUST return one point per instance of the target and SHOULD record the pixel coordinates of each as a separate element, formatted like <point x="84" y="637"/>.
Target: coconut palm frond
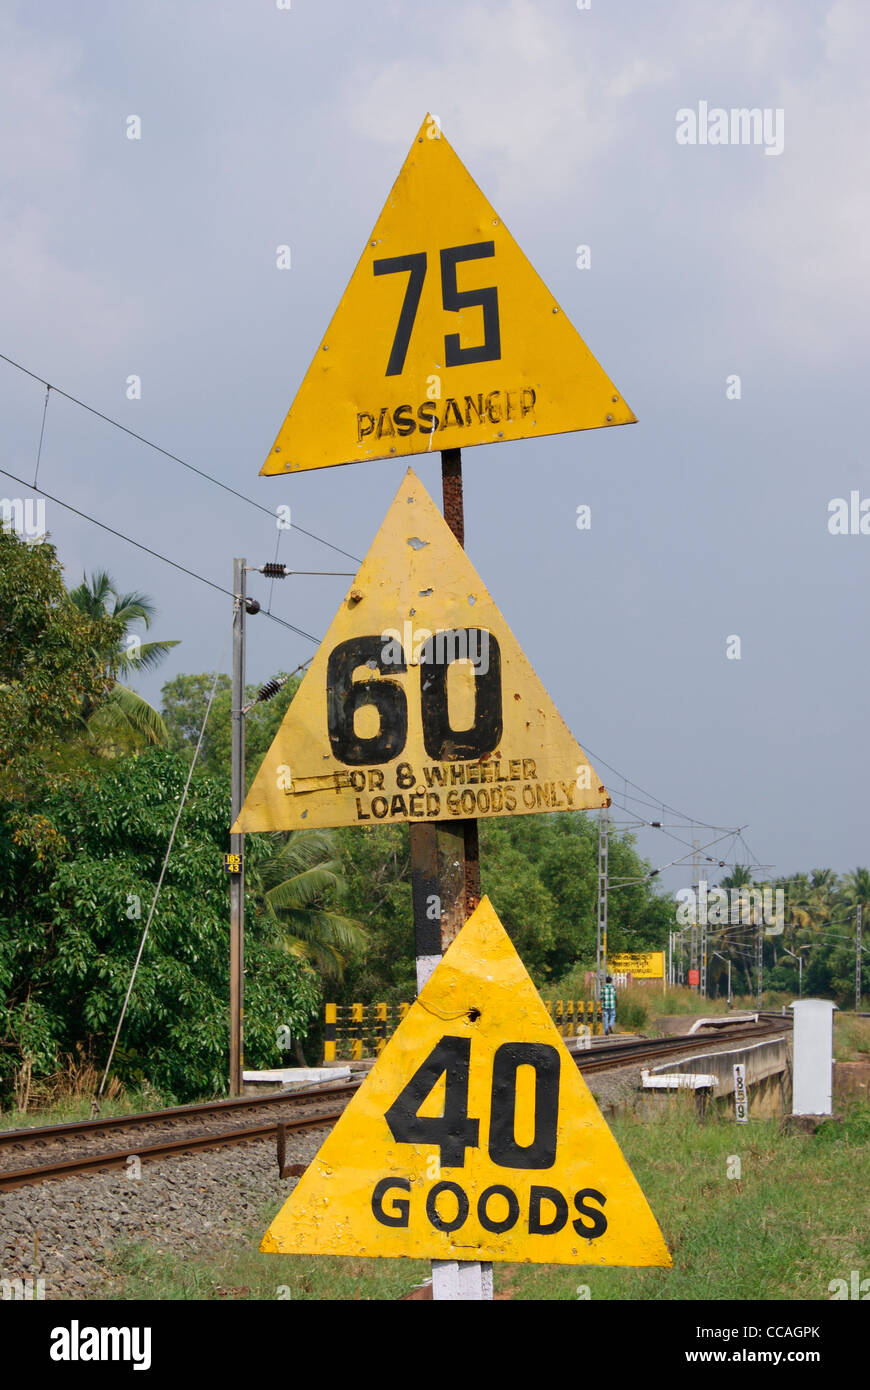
<point x="124" y="709"/>
<point x="144" y="657"/>
<point x="296" y="885"/>
<point x="92" y="595"/>
<point x="325" y="959"/>
<point x="303" y="848"/>
<point x="132" y="608"/>
<point x="303" y="890"/>
<point x="121" y="716"/>
<point x="312" y="926"/>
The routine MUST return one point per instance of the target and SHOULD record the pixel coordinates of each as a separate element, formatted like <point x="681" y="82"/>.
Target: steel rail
<point x="72" y="1128"/>
<point x="604" y="1057"/>
<point x="69" y="1167"/>
<point x="629" y="1054"/>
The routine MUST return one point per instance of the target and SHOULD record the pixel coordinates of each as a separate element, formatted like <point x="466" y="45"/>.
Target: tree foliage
<point x="296" y="886"/>
<point x="47" y="667"/>
<point x="541" y="873"/>
<point x="185" y="699"/>
<point x="819" y="927"/>
<point x="122" y="719"/>
<point x="71" y="919"/>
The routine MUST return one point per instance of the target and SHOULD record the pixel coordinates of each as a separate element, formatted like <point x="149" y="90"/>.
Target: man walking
<point x="608" y="1004"/>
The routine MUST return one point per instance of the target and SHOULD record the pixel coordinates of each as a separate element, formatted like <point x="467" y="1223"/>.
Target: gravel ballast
<point x="190" y="1203"/>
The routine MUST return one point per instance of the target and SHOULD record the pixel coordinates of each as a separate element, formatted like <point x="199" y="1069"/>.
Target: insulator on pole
<point x="273" y="570"/>
<point x="269" y="690"/>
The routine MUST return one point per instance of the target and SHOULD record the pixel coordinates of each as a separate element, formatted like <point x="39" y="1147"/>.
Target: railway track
<point x="608" y="1057"/>
<point x="67" y="1150"/>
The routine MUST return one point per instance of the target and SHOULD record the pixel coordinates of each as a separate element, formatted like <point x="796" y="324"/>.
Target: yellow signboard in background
<point x="643" y="965"/>
<point x="474" y="1137"/>
<point x="419" y="704"/>
<point x="445" y="337"/>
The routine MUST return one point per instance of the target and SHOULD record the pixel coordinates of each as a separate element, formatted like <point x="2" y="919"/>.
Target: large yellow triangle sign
<point x="419" y="704"/>
<point x="445" y="337"/>
<point x="474" y="1137"/>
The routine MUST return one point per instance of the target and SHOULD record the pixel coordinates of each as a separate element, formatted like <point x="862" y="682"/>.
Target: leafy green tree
<point x="121" y="716"/>
<point x="739" y="877"/>
<point x="856" y="890"/>
<point x="184" y="703"/>
<point x="376" y="864"/>
<point x="541" y="874"/>
<point x="48" y="668"/>
<point x="295" y="885"/>
<point x="71" y="919"/>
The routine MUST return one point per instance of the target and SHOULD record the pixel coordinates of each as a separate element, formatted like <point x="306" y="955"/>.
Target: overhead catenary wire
<point x="653" y="800"/>
<point x="167" y="453"/>
<point x="646" y="798"/>
<point x="156" y="554"/>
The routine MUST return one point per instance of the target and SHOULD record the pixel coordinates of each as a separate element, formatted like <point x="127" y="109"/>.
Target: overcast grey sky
<point x="262" y="127"/>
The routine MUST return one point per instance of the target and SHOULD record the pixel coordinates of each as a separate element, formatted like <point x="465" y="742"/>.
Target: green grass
<point x="70" y="1108"/>
<point x="241" y="1272"/>
<point x="851" y="1038"/>
<point x="794" y="1221"/>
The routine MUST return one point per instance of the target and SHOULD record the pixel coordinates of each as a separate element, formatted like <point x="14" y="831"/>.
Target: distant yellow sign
<point x="474" y="1137"/>
<point x="445" y="337"/>
<point x="643" y="965"/>
<point x="419" y="704"/>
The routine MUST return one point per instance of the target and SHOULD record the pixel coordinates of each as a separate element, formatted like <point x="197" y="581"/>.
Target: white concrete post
<point x="813" y="1056"/>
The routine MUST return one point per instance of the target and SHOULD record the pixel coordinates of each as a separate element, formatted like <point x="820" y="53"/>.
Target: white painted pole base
<point x="459" y="1280"/>
<point x="425" y="967"/>
<point x="462" y="1280"/>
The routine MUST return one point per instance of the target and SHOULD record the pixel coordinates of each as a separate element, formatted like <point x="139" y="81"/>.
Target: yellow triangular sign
<point x="474" y="1137"/>
<point x="419" y="704"/>
<point x="445" y="336"/>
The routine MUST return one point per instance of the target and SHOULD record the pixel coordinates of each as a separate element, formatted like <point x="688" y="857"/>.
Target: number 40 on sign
<point x="474" y="1137"/>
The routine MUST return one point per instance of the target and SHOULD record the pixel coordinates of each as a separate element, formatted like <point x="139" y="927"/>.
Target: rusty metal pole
<point x="445" y="886"/>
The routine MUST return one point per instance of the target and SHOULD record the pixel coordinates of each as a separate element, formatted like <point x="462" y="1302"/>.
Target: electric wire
<point x="96" y="1104"/>
<point x="168" y="454"/>
<point x="155" y="553"/>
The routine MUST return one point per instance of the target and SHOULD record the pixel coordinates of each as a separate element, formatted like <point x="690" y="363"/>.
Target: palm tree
<point x="295" y="883"/>
<point x="740" y="879"/>
<point x="122" y="716"/>
<point x="856" y="892"/>
<point x="800" y="903"/>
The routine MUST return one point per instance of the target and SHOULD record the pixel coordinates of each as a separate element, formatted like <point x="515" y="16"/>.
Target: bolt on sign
<point x="445" y="337"/>
<point x="419" y="704"/>
<point x="474" y="1137"/>
<point x="643" y="965"/>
